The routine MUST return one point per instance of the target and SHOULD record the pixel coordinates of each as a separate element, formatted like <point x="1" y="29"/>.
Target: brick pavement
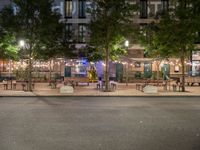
<point x="42" y="89"/>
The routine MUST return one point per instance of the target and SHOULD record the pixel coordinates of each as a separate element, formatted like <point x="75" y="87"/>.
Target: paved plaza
<point x="43" y="89"/>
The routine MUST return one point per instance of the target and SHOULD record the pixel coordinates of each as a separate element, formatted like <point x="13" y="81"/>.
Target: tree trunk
<point x="183" y="73"/>
<point x="50" y="71"/>
<point x="157" y="67"/>
<point x="3" y="65"/>
<point x="107" y="71"/>
<point x="190" y="65"/>
<point x="30" y="69"/>
<point x="30" y="75"/>
<point x="127" y="74"/>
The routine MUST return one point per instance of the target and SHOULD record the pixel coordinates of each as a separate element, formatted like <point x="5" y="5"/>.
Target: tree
<point x="8" y="46"/>
<point x="175" y="33"/>
<point x="36" y="24"/>
<point x="148" y="37"/>
<point x="111" y="22"/>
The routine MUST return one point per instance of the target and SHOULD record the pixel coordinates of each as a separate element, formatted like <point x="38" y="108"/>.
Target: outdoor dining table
<point x="9" y="83"/>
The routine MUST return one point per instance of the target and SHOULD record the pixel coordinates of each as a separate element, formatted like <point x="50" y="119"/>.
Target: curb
<point x="99" y="96"/>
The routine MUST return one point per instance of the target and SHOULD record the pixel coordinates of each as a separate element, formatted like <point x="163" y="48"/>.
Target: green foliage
<point x="116" y="50"/>
<point x="111" y="22"/>
<point x="175" y="33"/>
<point x="8" y="46"/>
<point x="35" y="23"/>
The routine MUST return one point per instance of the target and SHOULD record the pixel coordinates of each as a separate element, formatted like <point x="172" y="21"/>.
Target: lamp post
<point x="126" y="45"/>
<point x="23" y="44"/>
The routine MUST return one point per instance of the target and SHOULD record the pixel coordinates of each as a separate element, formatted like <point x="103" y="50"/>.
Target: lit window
<point x="68" y="8"/>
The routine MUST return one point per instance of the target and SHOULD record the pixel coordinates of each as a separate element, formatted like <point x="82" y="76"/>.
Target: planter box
<point x="66" y="90"/>
<point x="150" y="89"/>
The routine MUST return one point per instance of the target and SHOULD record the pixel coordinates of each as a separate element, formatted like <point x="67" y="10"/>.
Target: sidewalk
<point x="42" y="89"/>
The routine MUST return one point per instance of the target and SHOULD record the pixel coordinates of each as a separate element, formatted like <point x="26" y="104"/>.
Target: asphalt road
<point x="101" y="123"/>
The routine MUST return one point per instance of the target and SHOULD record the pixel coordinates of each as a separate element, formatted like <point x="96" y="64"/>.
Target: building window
<point x="68" y="8"/>
<point x="143" y="8"/>
<point x="68" y="32"/>
<point x="82" y="8"/>
<point x="82" y="30"/>
<point x="165" y="5"/>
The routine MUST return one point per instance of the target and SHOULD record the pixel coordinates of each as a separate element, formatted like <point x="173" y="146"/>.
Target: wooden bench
<point x="140" y="86"/>
<point x="77" y="80"/>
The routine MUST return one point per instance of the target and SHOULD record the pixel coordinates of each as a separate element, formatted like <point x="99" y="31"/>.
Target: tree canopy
<point x="36" y="24"/>
<point x="8" y="46"/>
<point x="111" y="23"/>
<point x="174" y="33"/>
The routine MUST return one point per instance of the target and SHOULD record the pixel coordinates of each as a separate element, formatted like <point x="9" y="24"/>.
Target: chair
<point x="5" y="84"/>
<point x="113" y="85"/>
<point x="100" y="85"/>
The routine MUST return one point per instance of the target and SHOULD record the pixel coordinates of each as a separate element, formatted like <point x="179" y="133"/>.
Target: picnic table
<point x="11" y="83"/>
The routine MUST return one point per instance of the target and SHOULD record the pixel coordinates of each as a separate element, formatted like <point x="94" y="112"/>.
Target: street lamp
<point x="126" y="45"/>
<point x="21" y="43"/>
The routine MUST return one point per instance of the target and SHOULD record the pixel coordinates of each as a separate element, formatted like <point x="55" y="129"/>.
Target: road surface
<point x="99" y="123"/>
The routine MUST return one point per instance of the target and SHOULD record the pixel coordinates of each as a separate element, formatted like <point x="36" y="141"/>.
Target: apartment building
<point x="3" y="3"/>
<point x="75" y="16"/>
